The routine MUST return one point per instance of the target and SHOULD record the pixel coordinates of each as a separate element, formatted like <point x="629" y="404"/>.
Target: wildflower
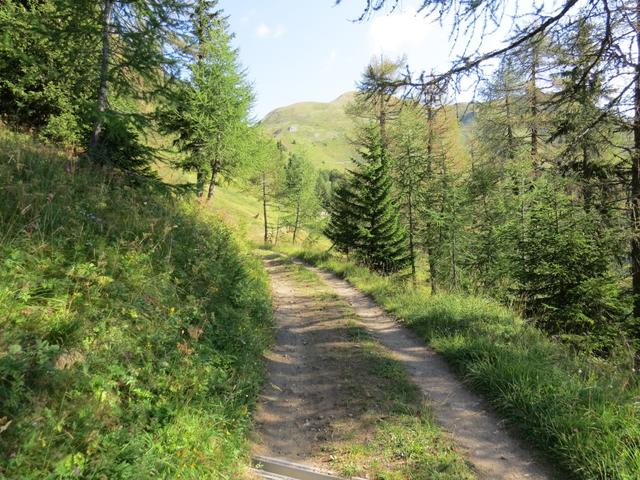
<point x="184" y="348"/>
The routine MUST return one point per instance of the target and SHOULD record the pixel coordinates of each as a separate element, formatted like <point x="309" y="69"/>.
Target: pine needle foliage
<point x="379" y="239"/>
<point x="342" y="227"/>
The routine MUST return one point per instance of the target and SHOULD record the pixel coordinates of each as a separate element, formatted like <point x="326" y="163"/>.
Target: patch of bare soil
<point x="484" y="441"/>
<point x="305" y="388"/>
<point x="335" y="399"/>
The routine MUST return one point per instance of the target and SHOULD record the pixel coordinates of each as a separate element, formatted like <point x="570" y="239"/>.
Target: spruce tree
<point x="342" y="228"/>
<point x="381" y="241"/>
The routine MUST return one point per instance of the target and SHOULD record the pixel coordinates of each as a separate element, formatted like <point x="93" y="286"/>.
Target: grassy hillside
<point x="321" y="130"/>
<point x="132" y="327"/>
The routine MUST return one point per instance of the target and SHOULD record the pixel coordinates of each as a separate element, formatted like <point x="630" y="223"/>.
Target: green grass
<point x="322" y="131"/>
<point x="132" y="327"/>
<point x="403" y="440"/>
<point x="583" y="412"/>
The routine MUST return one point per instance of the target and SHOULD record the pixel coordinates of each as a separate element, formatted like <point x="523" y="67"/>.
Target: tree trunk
<point x="264" y="207"/>
<point x="104" y="74"/>
<point x="428" y="244"/>
<point x="454" y="256"/>
<point x="295" y="225"/>
<point x="382" y="119"/>
<point x="586" y="179"/>
<point x="200" y="181"/>
<point x="212" y="185"/>
<point x="432" y="271"/>
<point x="510" y="138"/>
<point x="534" y="105"/>
<point x="635" y="181"/>
<point x="411" y="247"/>
<point x="215" y="168"/>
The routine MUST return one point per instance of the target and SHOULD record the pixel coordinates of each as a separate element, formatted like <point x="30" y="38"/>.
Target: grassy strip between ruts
<point x="389" y="432"/>
<point x="132" y="327"/>
<point x="582" y="411"/>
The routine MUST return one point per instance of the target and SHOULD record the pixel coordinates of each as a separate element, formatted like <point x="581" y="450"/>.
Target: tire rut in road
<point x="334" y="397"/>
<point x="493" y="451"/>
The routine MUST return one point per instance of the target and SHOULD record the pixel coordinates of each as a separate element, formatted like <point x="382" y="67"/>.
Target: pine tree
<point x="381" y="241"/>
<point x="342" y="228"/>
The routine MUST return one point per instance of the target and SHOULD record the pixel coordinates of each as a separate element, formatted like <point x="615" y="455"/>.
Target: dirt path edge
<point x="486" y="443"/>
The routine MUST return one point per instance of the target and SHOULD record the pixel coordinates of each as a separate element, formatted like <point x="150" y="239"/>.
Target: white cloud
<point x="398" y="33"/>
<point x="263" y="30"/>
<point x="279" y="31"/>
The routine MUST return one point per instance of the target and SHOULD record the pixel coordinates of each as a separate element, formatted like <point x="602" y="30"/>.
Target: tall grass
<point x="131" y="324"/>
<point x="582" y="411"/>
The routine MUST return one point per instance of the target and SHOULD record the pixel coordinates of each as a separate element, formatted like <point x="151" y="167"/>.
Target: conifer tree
<point x="265" y="172"/>
<point x="381" y="241"/>
<point x="210" y="112"/>
<point x="410" y="171"/>
<point x="299" y="195"/>
<point x="342" y="228"/>
<point x="132" y="37"/>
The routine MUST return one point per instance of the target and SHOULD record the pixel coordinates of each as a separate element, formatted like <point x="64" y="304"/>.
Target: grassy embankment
<point x="132" y="327"/>
<point x="583" y="412"/>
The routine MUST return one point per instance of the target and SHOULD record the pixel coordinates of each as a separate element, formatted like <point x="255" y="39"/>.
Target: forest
<point x="503" y="229"/>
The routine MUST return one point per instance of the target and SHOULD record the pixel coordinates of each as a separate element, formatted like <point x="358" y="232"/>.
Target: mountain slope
<point x="320" y="130"/>
<point x="323" y="131"/>
<point x="132" y="326"/>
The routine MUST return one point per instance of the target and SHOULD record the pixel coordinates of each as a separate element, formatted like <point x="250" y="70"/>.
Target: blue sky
<point x="310" y="50"/>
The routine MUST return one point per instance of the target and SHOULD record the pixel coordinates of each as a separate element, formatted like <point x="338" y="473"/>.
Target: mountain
<point x="320" y="130"/>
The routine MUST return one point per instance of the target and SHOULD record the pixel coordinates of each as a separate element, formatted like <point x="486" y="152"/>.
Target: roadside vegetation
<point x="402" y="439"/>
<point x="132" y="326"/>
<point x="580" y="410"/>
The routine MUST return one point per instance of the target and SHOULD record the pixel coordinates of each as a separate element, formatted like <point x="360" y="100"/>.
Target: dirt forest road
<point x="320" y="389"/>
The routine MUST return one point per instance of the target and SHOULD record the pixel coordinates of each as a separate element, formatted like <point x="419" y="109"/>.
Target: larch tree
<point x="410" y="171"/>
<point x="133" y="59"/>
<point x="299" y="195"/>
<point x="375" y="100"/>
<point x="266" y="172"/>
<point x="210" y="113"/>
